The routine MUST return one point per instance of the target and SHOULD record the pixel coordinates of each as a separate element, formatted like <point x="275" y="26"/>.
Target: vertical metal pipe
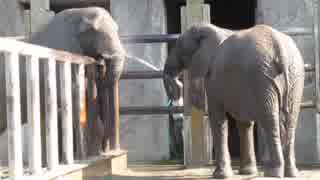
<point x="316" y="51"/>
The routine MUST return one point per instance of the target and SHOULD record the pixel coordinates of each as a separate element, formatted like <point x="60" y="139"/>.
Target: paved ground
<point x="145" y="171"/>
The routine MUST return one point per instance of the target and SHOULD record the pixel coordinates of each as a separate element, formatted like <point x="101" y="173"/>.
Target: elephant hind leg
<point x="247" y="153"/>
<point x="219" y="127"/>
<point x="290" y="124"/>
<point x="269" y="121"/>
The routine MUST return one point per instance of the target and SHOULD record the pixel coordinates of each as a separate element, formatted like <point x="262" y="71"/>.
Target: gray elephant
<point x="92" y="32"/>
<point x="88" y="31"/>
<point x="254" y="75"/>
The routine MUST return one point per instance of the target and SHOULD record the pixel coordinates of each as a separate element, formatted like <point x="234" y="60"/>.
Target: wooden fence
<point x="55" y="91"/>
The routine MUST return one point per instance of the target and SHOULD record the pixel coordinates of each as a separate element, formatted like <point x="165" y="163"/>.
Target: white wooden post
<point x="50" y="93"/>
<point x="13" y="115"/>
<point x="66" y="111"/>
<point x="194" y="132"/>
<point x="33" y="113"/>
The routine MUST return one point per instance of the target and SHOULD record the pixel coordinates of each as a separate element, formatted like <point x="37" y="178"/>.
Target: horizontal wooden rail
<point x="22" y="48"/>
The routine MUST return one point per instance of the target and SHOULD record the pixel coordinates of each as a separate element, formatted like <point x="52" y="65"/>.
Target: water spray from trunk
<point x="144" y="62"/>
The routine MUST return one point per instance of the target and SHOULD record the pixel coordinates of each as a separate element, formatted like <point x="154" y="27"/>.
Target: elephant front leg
<point x="219" y="126"/>
<point x="247" y="153"/>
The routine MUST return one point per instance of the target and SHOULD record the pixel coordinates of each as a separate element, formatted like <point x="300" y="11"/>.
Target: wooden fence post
<point x="66" y="111"/>
<point x="13" y="114"/>
<point x="33" y="113"/>
<point x="79" y="110"/>
<point x="51" y="113"/>
<point x="194" y="93"/>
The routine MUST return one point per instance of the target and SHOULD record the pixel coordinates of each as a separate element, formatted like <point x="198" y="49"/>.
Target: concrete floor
<point x="145" y="171"/>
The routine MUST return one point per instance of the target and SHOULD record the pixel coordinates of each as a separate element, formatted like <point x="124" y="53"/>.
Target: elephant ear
<point x="200" y="61"/>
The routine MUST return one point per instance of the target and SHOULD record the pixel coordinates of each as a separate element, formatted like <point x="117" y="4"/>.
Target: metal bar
<point x="50" y="92"/>
<point x="33" y="113"/>
<point x="308" y="105"/>
<point x="142" y="75"/>
<point x="297" y="31"/>
<point x="138" y="110"/>
<point x="309" y="68"/>
<point x="144" y="110"/>
<point x="161" y="38"/>
<point x="316" y="52"/>
<point x="66" y="112"/>
<point x="13" y="115"/>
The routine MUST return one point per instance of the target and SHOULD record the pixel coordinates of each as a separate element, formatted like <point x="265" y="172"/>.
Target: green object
<point x="169" y="103"/>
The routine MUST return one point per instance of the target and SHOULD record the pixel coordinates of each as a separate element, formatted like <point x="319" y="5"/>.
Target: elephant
<point x="87" y="31"/>
<point x="92" y="32"/>
<point x="255" y="75"/>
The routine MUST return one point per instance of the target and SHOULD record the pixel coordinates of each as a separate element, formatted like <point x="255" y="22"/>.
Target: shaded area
<point x="175" y="172"/>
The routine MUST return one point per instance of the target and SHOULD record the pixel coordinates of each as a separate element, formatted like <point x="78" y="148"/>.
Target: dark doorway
<point x="233" y="14"/>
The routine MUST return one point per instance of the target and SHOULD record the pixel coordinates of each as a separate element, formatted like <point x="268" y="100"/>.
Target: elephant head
<point x="88" y="31"/>
<point x="194" y="50"/>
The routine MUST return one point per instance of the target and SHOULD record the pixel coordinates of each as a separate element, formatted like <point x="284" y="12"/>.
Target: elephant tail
<point x="282" y="66"/>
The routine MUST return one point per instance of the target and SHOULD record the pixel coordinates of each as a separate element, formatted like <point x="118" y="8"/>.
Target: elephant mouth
<point x="111" y="64"/>
<point x="173" y="87"/>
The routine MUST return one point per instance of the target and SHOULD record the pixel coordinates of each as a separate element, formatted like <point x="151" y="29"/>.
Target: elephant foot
<point x="248" y="170"/>
<point x="291" y="172"/>
<point x="274" y="172"/>
<point x="222" y="173"/>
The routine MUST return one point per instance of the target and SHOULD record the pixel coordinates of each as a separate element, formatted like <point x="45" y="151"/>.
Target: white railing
<point x="12" y="50"/>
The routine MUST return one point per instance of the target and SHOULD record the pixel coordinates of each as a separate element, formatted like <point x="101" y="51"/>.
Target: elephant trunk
<point x="171" y="71"/>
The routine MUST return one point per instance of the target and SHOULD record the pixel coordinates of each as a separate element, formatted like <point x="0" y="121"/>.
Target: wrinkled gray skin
<point x="88" y="31"/>
<point x="255" y="75"/>
<point x="92" y="32"/>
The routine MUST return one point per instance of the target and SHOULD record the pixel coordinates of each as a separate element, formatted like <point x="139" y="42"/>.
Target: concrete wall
<point x="11" y="18"/>
<point x="297" y="13"/>
<point x="146" y="137"/>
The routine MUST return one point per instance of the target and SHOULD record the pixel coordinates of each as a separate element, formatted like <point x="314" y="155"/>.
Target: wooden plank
<point x="33" y="113"/>
<point x="66" y="112"/>
<point x="22" y="48"/>
<point x="194" y="12"/>
<point x="51" y="114"/>
<point x="79" y="110"/>
<point x="13" y="115"/>
<point x="95" y="125"/>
